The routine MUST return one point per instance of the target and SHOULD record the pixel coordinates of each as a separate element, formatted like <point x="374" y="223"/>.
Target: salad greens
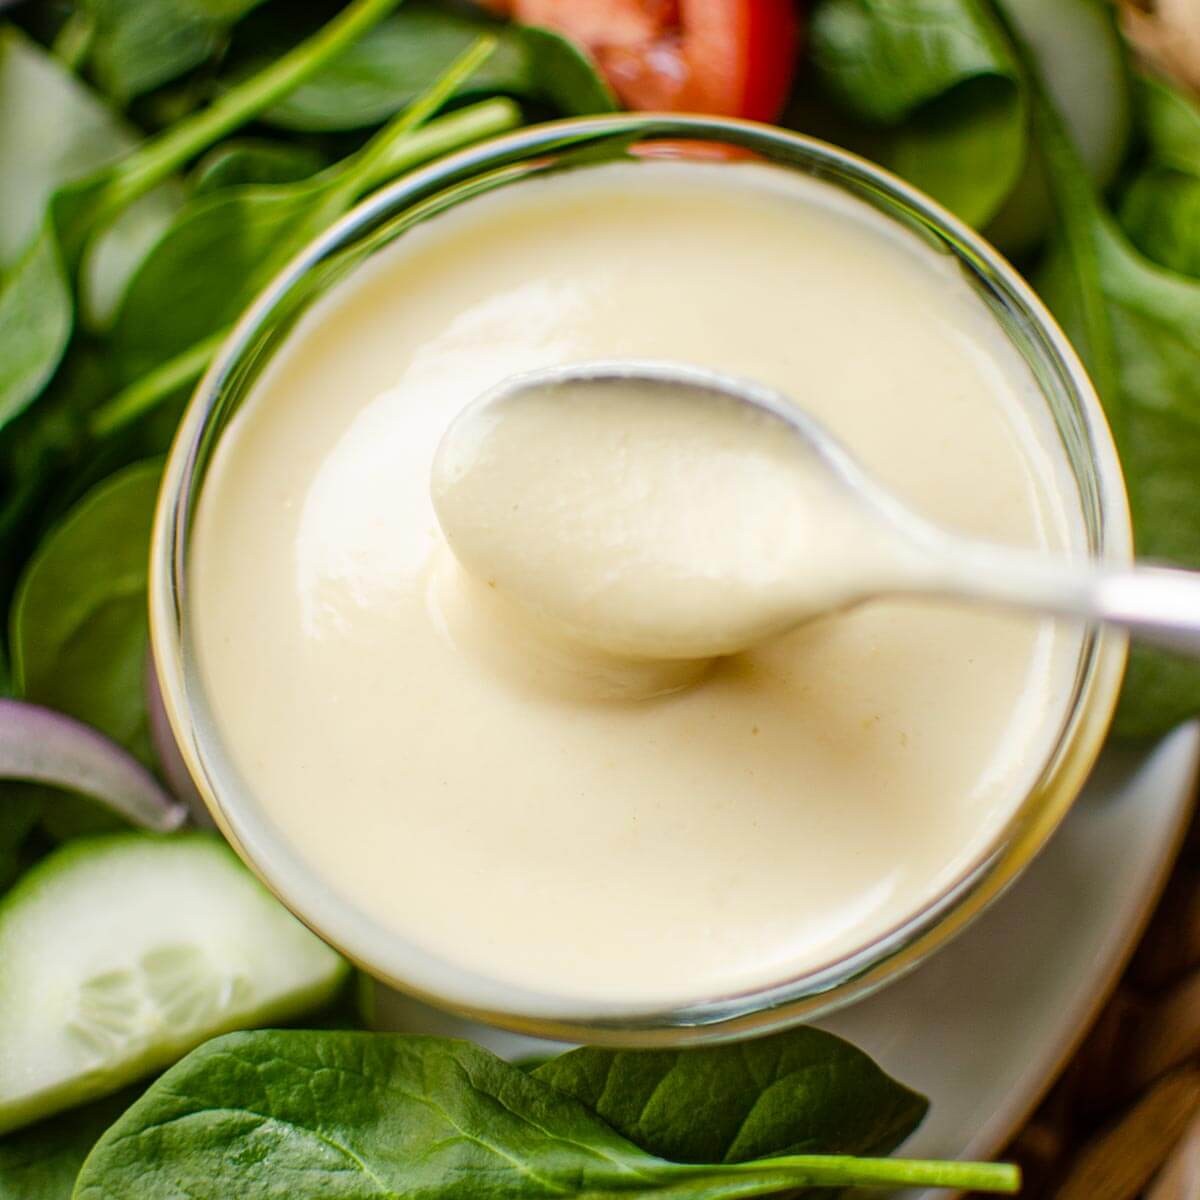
<point x="341" y="1114"/>
<point x="36" y="304"/>
<point x="937" y="81"/>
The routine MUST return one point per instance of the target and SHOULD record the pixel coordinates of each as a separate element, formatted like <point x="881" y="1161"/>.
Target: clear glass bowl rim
<point x="388" y="957"/>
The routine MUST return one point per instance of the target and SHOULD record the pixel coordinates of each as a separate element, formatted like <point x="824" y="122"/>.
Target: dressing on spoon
<point x="643" y="511"/>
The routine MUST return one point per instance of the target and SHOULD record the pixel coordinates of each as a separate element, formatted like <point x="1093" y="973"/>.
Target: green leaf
<point x="403" y="55"/>
<point x="42" y="1162"/>
<point x="176" y="299"/>
<point x="937" y="77"/>
<point x="800" y="1092"/>
<point x="1160" y="210"/>
<point x="1137" y="327"/>
<point x="78" y="625"/>
<point x="357" y="1116"/>
<point x="36" y="318"/>
<point x="137" y="45"/>
<point x="44" y="463"/>
<point x="254" y="160"/>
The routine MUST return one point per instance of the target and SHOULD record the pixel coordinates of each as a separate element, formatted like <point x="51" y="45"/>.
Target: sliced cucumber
<point x="1081" y="59"/>
<point x="120" y="953"/>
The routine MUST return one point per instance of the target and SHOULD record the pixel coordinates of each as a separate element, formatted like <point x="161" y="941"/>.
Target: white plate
<point x="984" y="1026"/>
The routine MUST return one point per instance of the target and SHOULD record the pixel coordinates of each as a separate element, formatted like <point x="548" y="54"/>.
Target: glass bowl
<point x="505" y="162"/>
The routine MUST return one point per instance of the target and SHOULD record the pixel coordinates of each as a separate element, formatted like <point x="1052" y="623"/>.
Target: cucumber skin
<point x="83" y="1089"/>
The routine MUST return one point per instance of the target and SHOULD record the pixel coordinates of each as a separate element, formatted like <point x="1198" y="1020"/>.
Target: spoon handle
<point x="1158" y="605"/>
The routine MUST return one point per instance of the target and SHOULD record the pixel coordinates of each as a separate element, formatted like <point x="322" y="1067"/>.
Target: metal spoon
<point x="1156" y="604"/>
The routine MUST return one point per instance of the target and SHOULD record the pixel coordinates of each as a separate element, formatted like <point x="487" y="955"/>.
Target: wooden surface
<point x="1123" y="1121"/>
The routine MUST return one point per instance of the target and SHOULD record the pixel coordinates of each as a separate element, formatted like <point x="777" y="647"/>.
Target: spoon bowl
<point x="654" y="510"/>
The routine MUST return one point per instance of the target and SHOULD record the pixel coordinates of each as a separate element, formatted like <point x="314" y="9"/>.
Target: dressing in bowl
<point x="540" y="829"/>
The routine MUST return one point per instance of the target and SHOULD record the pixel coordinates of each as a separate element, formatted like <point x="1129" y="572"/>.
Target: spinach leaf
<point x="36" y="309"/>
<point x="135" y="45"/>
<point x="254" y="160"/>
<point x="1137" y="326"/>
<point x="803" y="1091"/>
<point x="42" y="1162"/>
<point x="1160" y="210"/>
<point x="78" y="624"/>
<point x="389" y="67"/>
<point x="937" y="79"/>
<point x="44" y="465"/>
<point x="35" y="321"/>
<point x="357" y="1115"/>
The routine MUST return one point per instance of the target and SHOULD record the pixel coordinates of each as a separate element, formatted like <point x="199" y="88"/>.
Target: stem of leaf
<point x="154" y="160"/>
<point x="817" y="1170"/>
<point x="448" y="133"/>
<point x="441" y="136"/>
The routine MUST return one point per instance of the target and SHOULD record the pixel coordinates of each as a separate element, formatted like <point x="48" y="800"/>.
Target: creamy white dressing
<point x="652" y="520"/>
<point x="772" y="813"/>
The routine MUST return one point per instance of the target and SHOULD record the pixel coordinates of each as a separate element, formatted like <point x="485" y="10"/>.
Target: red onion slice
<point x="38" y="745"/>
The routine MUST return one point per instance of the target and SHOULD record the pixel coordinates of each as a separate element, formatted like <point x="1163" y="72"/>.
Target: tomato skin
<point x="772" y="32"/>
<point x="729" y="57"/>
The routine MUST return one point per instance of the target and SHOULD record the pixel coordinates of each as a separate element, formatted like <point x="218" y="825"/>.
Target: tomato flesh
<point x="731" y="57"/>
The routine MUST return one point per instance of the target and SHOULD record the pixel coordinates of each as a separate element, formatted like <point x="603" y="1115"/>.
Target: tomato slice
<point x="733" y="57"/>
